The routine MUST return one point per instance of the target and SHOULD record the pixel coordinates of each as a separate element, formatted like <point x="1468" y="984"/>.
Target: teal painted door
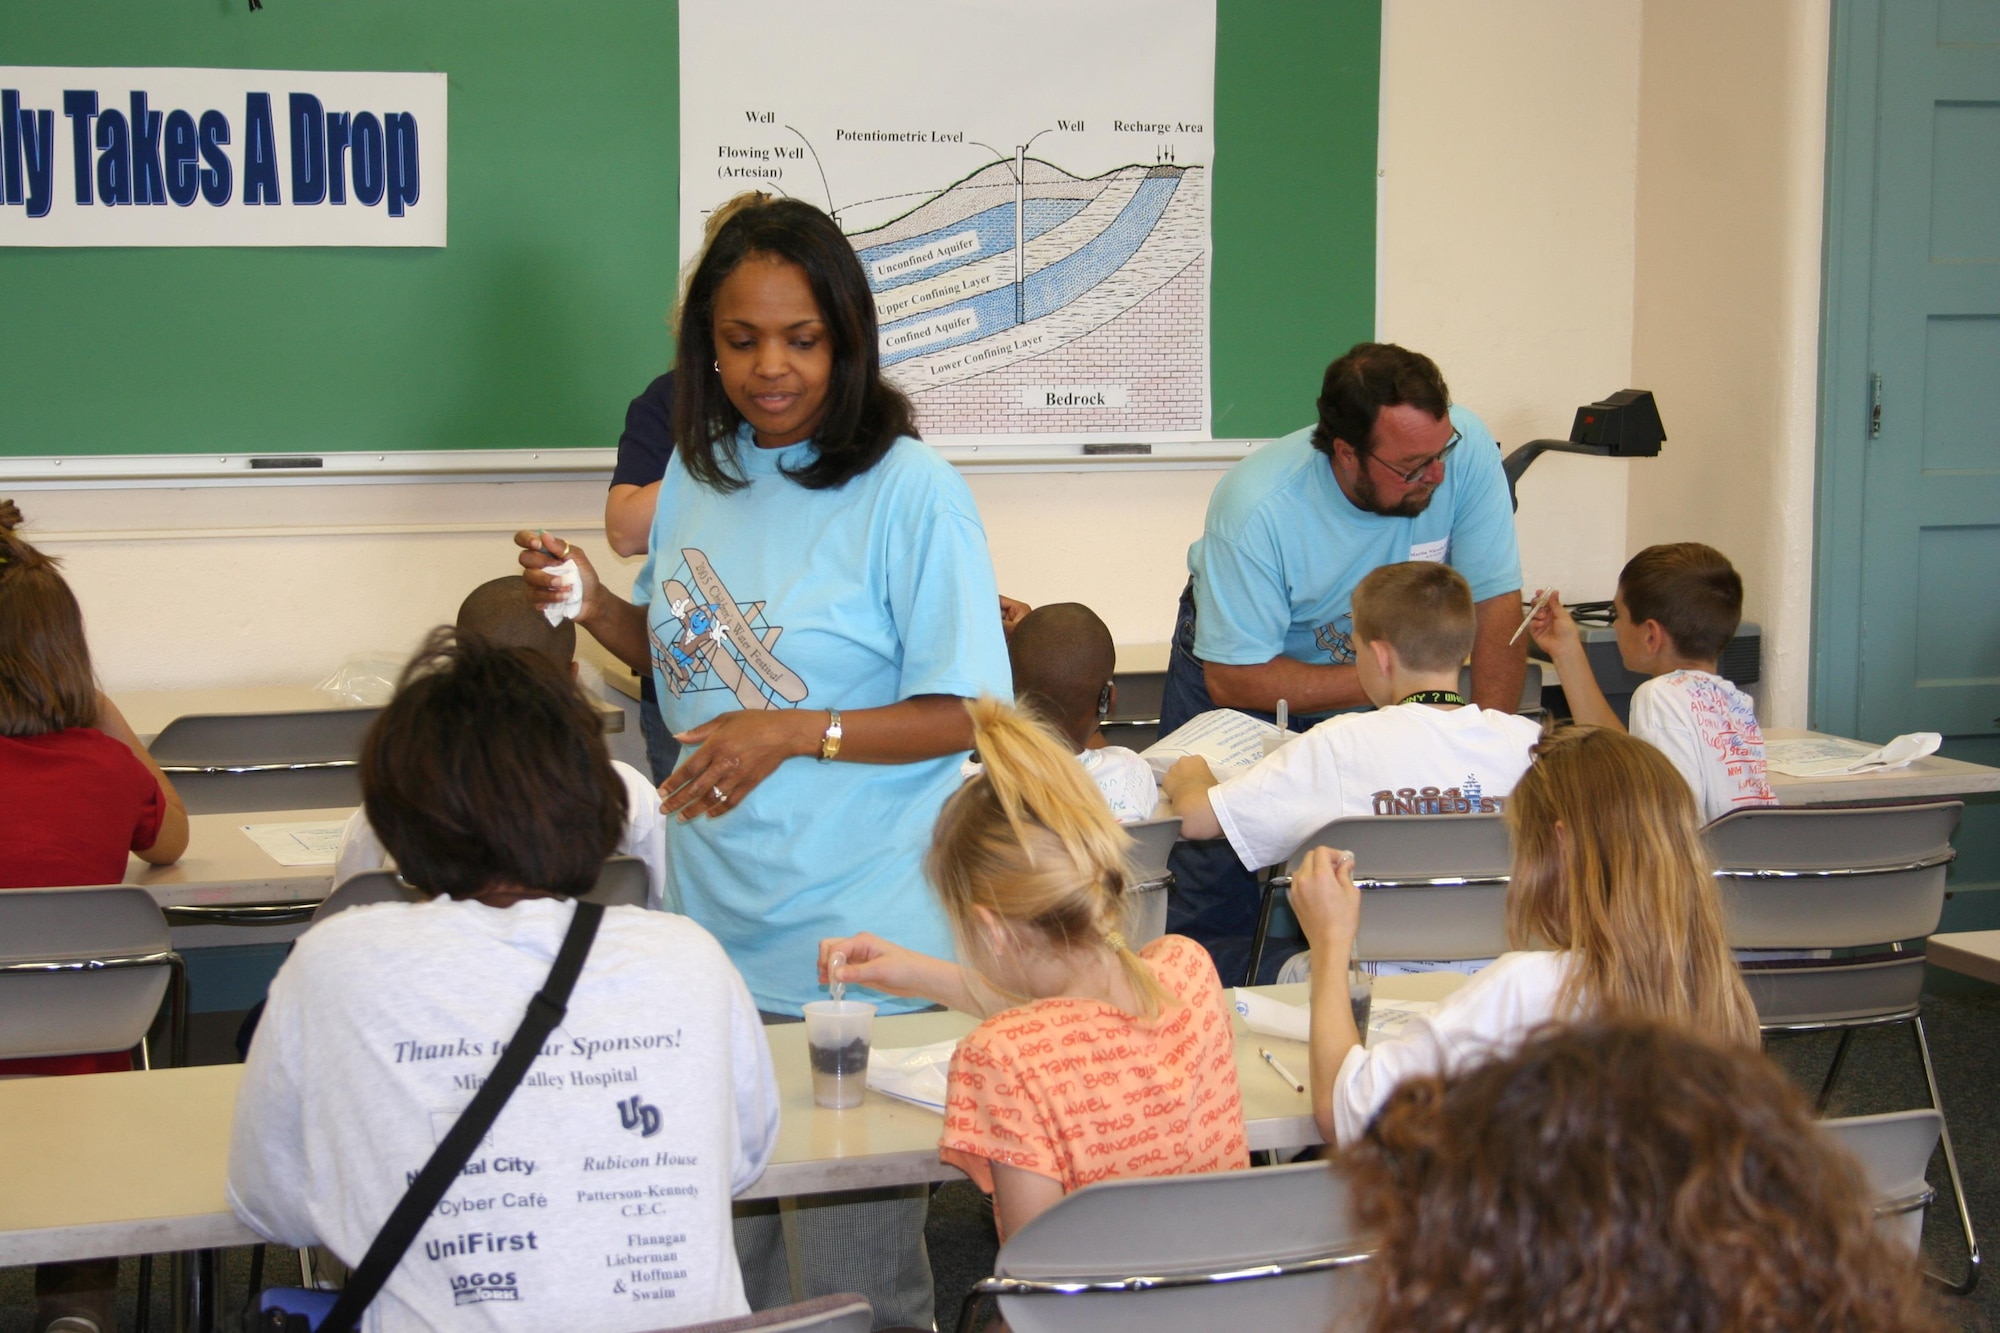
<point x="1930" y="611"/>
<point x="1918" y="412"/>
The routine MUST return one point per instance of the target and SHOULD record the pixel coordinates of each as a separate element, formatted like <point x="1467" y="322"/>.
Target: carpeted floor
<point x="1883" y="1074"/>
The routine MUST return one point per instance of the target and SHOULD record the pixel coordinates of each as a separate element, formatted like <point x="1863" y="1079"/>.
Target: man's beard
<point x="1368" y="498"/>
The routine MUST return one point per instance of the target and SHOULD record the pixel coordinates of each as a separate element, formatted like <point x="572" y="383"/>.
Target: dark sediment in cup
<point x="840" y="1061"/>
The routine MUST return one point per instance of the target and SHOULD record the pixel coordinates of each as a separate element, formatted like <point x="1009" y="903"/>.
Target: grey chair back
<point x="230" y="763"/>
<point x="1867" y="882"/>
<point x="1838" y="878"/>
<point x="845" y="1313"/>
<point x="622" y="882"/>
<point x="1268" y="1248"/>
<point x="1433" y="886"/>
<point x="1146" y="899"/>
<point x="1894" y="1151"/>
<point x="83" y="971"/>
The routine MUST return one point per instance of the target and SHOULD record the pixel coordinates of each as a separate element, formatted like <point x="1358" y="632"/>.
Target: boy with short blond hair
<point x="1676" y="609"/>
<point x="1424" y="750"/>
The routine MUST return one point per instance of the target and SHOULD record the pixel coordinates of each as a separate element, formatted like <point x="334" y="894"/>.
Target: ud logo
<point x="639" y="1115"/>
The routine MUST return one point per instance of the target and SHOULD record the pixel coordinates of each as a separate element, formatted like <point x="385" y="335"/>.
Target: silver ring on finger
<point x="719" y="795"/>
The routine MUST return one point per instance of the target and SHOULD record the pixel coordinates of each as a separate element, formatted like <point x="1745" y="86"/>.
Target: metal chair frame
<point x="1162" y="883"/>
<point x="176" y="998"/>
<point x="994" y="1287"/>
<point x="1177" y="1245"/>
<point x="260" y="914"/>
<point x="1910" y="1014"/>
<point x="204" y="751"/>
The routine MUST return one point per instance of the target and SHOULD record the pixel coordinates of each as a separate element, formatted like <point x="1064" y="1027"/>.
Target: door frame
<point x="1846" y="264"/>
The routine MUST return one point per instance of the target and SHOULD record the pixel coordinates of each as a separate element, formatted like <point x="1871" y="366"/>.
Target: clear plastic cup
<point x="838" y="1033"/>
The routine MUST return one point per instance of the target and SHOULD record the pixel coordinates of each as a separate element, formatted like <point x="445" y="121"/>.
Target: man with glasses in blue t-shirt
<point x="1391" y="472"/>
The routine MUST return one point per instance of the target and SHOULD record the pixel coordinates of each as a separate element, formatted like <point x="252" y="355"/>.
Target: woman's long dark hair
<point x="864" y="414"/>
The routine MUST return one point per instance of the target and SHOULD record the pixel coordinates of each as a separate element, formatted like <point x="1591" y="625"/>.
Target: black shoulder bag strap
<point x="545" y="1010"/>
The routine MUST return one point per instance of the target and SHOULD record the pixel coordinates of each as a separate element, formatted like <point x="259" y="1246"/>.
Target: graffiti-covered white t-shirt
<point x="1411" y="759"/>
<point x="1709" y="729"/>
<point x="600" y="1198"/>
<point x="852" y="597"/>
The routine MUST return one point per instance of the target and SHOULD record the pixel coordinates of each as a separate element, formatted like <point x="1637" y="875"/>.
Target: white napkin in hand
<point x="569" y="607"/>
<point x="1273" y="1018"/>
<point x="912" y="1073"/>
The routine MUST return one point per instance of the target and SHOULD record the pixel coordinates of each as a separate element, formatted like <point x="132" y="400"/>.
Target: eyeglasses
<point x="1415" y="474"/>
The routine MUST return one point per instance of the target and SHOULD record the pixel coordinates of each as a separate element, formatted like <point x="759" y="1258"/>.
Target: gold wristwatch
<point x="829" y="743"/>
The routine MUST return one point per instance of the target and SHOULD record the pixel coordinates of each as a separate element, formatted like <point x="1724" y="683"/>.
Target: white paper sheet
<point x="1229" y="740"/>
<point x="311" y="843"/>
<point x="913" y="1074"/>
<point x="1831" y="756"/>
<point x="1275" y="1018"/>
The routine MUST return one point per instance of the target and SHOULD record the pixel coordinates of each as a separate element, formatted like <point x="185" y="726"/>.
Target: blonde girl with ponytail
<point x="1094" y="1060"/>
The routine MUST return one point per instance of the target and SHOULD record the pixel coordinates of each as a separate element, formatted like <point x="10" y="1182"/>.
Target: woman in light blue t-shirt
<point x="816" y="603"/>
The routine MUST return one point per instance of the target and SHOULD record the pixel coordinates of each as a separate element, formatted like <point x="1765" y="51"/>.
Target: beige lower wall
<point x="256" y="585"/>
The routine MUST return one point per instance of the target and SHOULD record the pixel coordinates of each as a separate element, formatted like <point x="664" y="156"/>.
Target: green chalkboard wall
<point x="545" y="314"/>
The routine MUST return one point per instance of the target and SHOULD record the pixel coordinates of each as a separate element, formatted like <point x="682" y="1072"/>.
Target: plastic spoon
<point x="835" y="986"/>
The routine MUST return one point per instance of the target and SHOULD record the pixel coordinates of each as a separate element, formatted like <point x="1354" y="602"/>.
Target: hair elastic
<point x="1115" y="940"/>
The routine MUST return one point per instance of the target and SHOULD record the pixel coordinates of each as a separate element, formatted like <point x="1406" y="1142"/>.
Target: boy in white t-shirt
<point x="500" y="612"/>
<point x="1063" y="658"/>
<point x="1677" y="607"/>
<point x="1424" y="751"/>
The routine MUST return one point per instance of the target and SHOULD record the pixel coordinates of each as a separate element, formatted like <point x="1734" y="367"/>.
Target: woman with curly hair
<point x="1629" y="1176"/>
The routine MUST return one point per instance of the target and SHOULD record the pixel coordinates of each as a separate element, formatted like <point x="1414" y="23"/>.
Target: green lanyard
<point x="1434" y="697"/>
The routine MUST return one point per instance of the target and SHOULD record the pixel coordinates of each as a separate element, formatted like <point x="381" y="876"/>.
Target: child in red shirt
<point x="77" y="792"/>
<point x="1094" y="1061"/>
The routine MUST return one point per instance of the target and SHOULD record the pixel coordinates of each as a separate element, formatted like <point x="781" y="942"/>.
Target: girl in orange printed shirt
<point x="1093" y="1061"/>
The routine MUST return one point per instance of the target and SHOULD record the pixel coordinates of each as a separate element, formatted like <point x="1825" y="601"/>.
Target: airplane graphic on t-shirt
<point x="714" y="642"/>
<point x="1336" y="637"/>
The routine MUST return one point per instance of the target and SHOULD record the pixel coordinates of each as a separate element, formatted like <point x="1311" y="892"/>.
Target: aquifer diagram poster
<point x="1027" y="183"/>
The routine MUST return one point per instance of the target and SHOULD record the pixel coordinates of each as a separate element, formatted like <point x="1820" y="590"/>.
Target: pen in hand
<point x="1541" y="600"/>
<point x="1280" y="1070"/>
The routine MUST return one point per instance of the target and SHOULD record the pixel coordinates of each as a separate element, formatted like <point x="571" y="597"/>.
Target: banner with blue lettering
<point x="120" y="157"/>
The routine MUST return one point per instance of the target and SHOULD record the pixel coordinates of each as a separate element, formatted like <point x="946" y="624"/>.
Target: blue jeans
<point x="1214" y="900"/>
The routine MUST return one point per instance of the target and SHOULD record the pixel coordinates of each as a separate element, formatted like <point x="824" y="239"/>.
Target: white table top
<point x="1934" y="776"/>
<point x="1975" y="953"/>
<point x="222" y="867"/>
<point x="149" y="711"/>
<point x="112" y="1164"/>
